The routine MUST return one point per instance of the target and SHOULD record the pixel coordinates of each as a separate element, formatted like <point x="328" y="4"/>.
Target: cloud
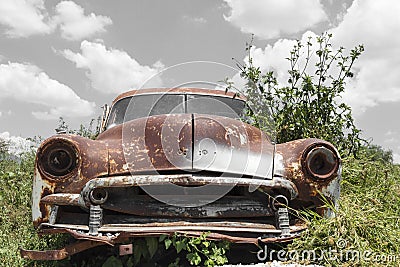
<point x="273" y="58"/>
<point x="367" y="22"/>
<point x="269" y="19"/>
<point x="73" y="23"/>
<point x="16" y="145"/>
<point x="194" y="20"/>
<point x="396" y="158"/>
<point x="27" y="83"/>
<point x="111" y="70"/>
<point x="24" y="18"/>
<point x="374" y="24"/>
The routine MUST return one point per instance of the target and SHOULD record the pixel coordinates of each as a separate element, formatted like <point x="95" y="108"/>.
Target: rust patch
<point x="44" y="209"/>
<point x="158" y="143"/>
<point x="87" y="241"/>
<point x="177" y="145"/>
<point x="62" y="199"/>
<point x="187" y="180"/>
<point x="182" y="142"/>
<point x="295" y="154"/>
<point x="60" y="254"/>
<point x="92" y="161"/>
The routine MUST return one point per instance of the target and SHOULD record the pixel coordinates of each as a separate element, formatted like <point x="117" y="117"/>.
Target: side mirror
<point x="104" y="117"/>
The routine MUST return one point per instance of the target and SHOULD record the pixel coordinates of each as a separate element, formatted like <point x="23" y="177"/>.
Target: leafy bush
<point x="199" y="249"/>
<point x="308" y="106"/>
<point x="376" y="153"/>
<point x="3" y="148"/>
<point x="173" y="251"/>
<point x="91" y="131"/>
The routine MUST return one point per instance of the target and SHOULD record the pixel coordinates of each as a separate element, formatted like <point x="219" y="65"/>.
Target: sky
<point x="68" y="58"/>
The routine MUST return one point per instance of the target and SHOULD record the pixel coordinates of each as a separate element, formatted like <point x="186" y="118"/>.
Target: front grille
<point x="134" y="205"/>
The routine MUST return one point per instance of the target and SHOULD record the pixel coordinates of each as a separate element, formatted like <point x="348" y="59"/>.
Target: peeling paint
<point x="187" y="151"/>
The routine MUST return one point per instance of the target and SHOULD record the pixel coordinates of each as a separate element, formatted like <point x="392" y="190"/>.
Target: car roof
<point x="199" y="91"/>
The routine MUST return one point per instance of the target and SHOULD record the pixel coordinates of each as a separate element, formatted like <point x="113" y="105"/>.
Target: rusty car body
<point x="178" y="160"/>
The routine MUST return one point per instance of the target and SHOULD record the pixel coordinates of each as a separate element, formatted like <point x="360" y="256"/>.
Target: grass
<point x="15" y="214"/>
<point x="367" y="219"/>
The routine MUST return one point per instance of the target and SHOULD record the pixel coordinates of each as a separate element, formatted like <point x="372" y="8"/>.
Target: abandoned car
<point x="178" y="160"/>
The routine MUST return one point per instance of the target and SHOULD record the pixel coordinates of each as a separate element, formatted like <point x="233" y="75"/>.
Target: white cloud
<point x="111" y="70"/>
<point x="195" y="20"/>
<point x="74" y="25"/>
<point x="374" y="24"/>
<point x="27" y="83"/>
<point x="16" y="144"/>
<point x="367" y="22"/>
<point x="269" y="19"/>
<point x="24" y="17"/>
<point x="396" y="158"/>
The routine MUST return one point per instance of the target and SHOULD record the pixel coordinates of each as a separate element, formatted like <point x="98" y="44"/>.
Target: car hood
<point x="188" y="142"/>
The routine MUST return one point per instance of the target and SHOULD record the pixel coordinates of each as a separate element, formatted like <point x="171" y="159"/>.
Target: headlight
<point x="321" y="162"/>
<point x="58" y="158"/>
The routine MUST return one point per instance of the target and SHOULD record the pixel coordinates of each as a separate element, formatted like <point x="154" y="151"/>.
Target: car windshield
<point x="140" y="106"/>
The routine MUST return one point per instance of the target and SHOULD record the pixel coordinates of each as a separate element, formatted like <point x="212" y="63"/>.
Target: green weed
<point x="16" y="229"/>
<point x="367" y="220"/>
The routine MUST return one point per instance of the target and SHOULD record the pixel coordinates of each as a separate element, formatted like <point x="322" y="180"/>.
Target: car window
<point x="141" y="106"/>
<point x="144" y="106"/>
<point x="215" y="105"/>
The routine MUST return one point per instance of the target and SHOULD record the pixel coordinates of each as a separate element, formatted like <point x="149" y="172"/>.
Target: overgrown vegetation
<point x="366" y="229"/>
<point x="171" y="251"/>
<point x="199" y="249"/>
<point x="91" y="131"/>
<point x="17" y="231"/>
<point x="309" y="104"/>
<point x="367" y="221"/>
<point x="15" y="214"/>
<point x="3" y="147"/>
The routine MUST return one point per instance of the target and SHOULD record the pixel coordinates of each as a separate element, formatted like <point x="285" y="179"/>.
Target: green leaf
<point x="139" y="250"/>
<point x="129" y="262"/>
<point x="152" y="245"/>
<point x="194" y="258"/>
<point x="162" y="238"/>
<point x="209" y="262"/>
<point x="195" y="241"/>
<point x="167" y="243"/>
<point x="206" y="243"/>
<point x="180" y="245"/>
<point x="112" y="262"/>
